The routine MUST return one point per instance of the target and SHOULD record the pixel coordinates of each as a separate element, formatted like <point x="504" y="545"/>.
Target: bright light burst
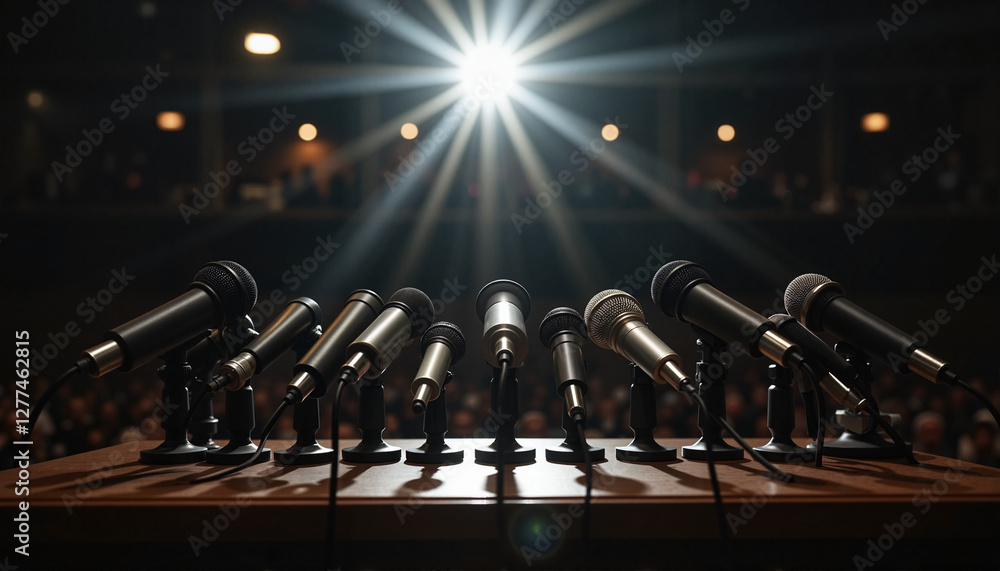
<point x="488" y="71"/>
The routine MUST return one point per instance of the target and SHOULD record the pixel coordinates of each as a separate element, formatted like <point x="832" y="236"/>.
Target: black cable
<point x="197" y="402"/>
<point x="331" y="511"/>
<point x="36" y="410"/>
<point x="260" y="447"/>
<point x="504" y="358"/>
<point x="889" y="430"/>
<point x="982" y="398"/>
<point x="581" y="426"/>
<point x="820" y="403"/>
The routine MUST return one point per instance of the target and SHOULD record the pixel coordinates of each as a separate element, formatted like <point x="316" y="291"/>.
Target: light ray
<point x="487" y="235"/>
<point x="576" y="26"/>
<point x="598" y="66"/>
<point x="504" y="14"/>
<point x="480" y="34"/>
<point x="445" y="13"/>
<point x="404" y="27"/>
<point x="528" y="23"/>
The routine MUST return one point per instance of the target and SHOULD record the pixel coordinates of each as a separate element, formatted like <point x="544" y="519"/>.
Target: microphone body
<point x="820" y="305"/>
<point x="300" y="316"/>
<point x="503" y="305"/>
<point x="318" y="366"/>
<point x="394" y="328"/>
<point x="563" y="331"/>
<point x="443" y="345"/>
<point x="221" y="294"/>
<point x="684" y="290"/>
<point x="615" y="321"/>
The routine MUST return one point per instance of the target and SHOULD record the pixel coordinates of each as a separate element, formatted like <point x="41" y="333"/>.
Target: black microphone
<point x="221" y="294"/>
<point x="615" y="321"/>
<point x="684" y="290"/>
<point x="402" y="319"/>
<point x="317" y="367"/>
<point x="563" y="331"/>
<point x="503" y="306"/>
<point x="819" y="304"/>
<point x="443" y="345"/>
<point x="300" y="316"/>
<point x="836" y="375"/>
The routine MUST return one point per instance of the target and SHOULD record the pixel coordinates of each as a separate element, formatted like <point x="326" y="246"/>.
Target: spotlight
<point x="488" y="71"/>
<point x="409" y="131"/>
<point x="261" y="44"/>
<point x="726" y="133"/>
<point x="874" y="122"/>
<point x="307" y="132"/>
<point x="609" y="132"/>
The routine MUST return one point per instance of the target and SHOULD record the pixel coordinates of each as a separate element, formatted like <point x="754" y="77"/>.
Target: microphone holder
<point x="781" y="420"/>
<point x="240" y="422"/>
<point x="860" y="439"/>
<point x="434" y="450"/>
<point x="513" y="452"/>
<point x="571" y="450"/>
<point x="306" y="422"/>
<point x="371" y="410"/>
<point x="204" y="424"/>
<point x="642" y="421"/>
<point x="176" y="373"/>
<point x="711" y="376"/>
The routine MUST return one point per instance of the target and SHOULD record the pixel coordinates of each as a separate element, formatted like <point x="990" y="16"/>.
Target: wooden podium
<point x="104" y="510"/>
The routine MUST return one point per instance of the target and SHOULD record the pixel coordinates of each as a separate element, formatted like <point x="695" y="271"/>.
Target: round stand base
<point x="566" y="454"/>
<point x="186" y="453"/>
<point x="208" y="444"/>
<point x="868" y="446"/>
<point x="232" y="454"/>
<point x="372" y="453"/>
<point x="440" y="454"/>
<point x="517" y="454"/>
<point x="784" y="452"/>
<point x="720" y="451"/>
<point x="298" y="455"/>
<point x="645" y="452"/>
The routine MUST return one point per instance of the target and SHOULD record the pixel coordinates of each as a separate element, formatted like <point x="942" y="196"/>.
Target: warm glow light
<point x="36" y="99"/>
<point x="488" y="71"/>
<point x="875" y="122"/>
<point x="609" y="132"/>
<point x="307" y="132"/>
<point x="726" y="133"/>
<point x="262" y="44"/>
<point x="170" y="121"/>
<point x="409" y="131"/>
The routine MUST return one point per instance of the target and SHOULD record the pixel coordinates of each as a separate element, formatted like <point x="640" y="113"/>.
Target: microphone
<point x="301" y="315"/>
<point x="836" y="375"/>
<point x="563" y="331"/>
<point x="684" y="290"/>
<point x="819" y="304"/>
<point x="314" y="371"/>
<point x="394" y="328"/>
<point x="221" y="294"/>
<point x="615" y="321"/>
<point x="443" y="345"/>
<point x="503" y="305"/>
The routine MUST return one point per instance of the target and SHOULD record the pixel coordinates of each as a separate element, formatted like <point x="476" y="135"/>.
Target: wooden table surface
<point x="107" y="497"/>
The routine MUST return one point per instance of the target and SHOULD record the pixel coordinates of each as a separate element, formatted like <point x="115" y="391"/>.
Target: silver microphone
<point x="503" y="305"/>
<point x="563" y="331"/>
<point x="443" y="345"/>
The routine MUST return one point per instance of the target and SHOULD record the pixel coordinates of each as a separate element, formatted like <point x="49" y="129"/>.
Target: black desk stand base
<point x="435" y="450"/>
<point x="865" y="446"/>
<point x="642" y="421"/>
<point x="513" y="452"/>
<point x="781" y="420"/>
<point x="570" y="451"/>
<point x="306" y="450"/>
<point x="175" y="373"/>
<point x="372" y="449"/>
<point x="711" y="377"/>
<point x="240" y="421"/>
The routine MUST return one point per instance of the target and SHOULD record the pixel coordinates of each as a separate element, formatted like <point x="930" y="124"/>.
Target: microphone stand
<point x="371" y="410"/>
<point x="642" y="421"/>
<point x="513" y="452"/>
<point x="712" y="388"/>
<point x="781" y="420"/>
<point x="204" y="424"/>
<point x="434" y="450"/>
<point x="176" y="373"/>
<point x="860" y="439"/>
<point x="306" y="421"/>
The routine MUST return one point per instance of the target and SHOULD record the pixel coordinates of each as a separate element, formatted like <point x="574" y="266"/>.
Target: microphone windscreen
<point x="602" y="311"/>
<point x="418" y="302"/>
<point x="233" y="285"/>
<point x="798" y="290"/>
<point x="559" y="320"/>
<point x="450" y="334"/>
<point x="672" y="280"/>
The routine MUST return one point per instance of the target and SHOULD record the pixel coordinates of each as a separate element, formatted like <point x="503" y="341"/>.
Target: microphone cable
<point x="36" y="411"/>
<point x="891" y="432"/>
<point x="196" y="403"/>
<point x="981" y="397"/>
<point x="581" y="425"/>
<point x="285" y="402"/>
<point x="505" y="358"/>
<point x="331" y="511"/>
<point x="819" y="403"/>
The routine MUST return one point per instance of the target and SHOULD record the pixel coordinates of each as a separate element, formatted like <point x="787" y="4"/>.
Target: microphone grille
<point x="798" y="290"/>
<point x="602" y="311"/>
<point x="672" y="280"/>
<point x="450" y="333"/>
<point x="419" y="304"/>
<point x="233" y="285"/>
<point x="560" y="320"/>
